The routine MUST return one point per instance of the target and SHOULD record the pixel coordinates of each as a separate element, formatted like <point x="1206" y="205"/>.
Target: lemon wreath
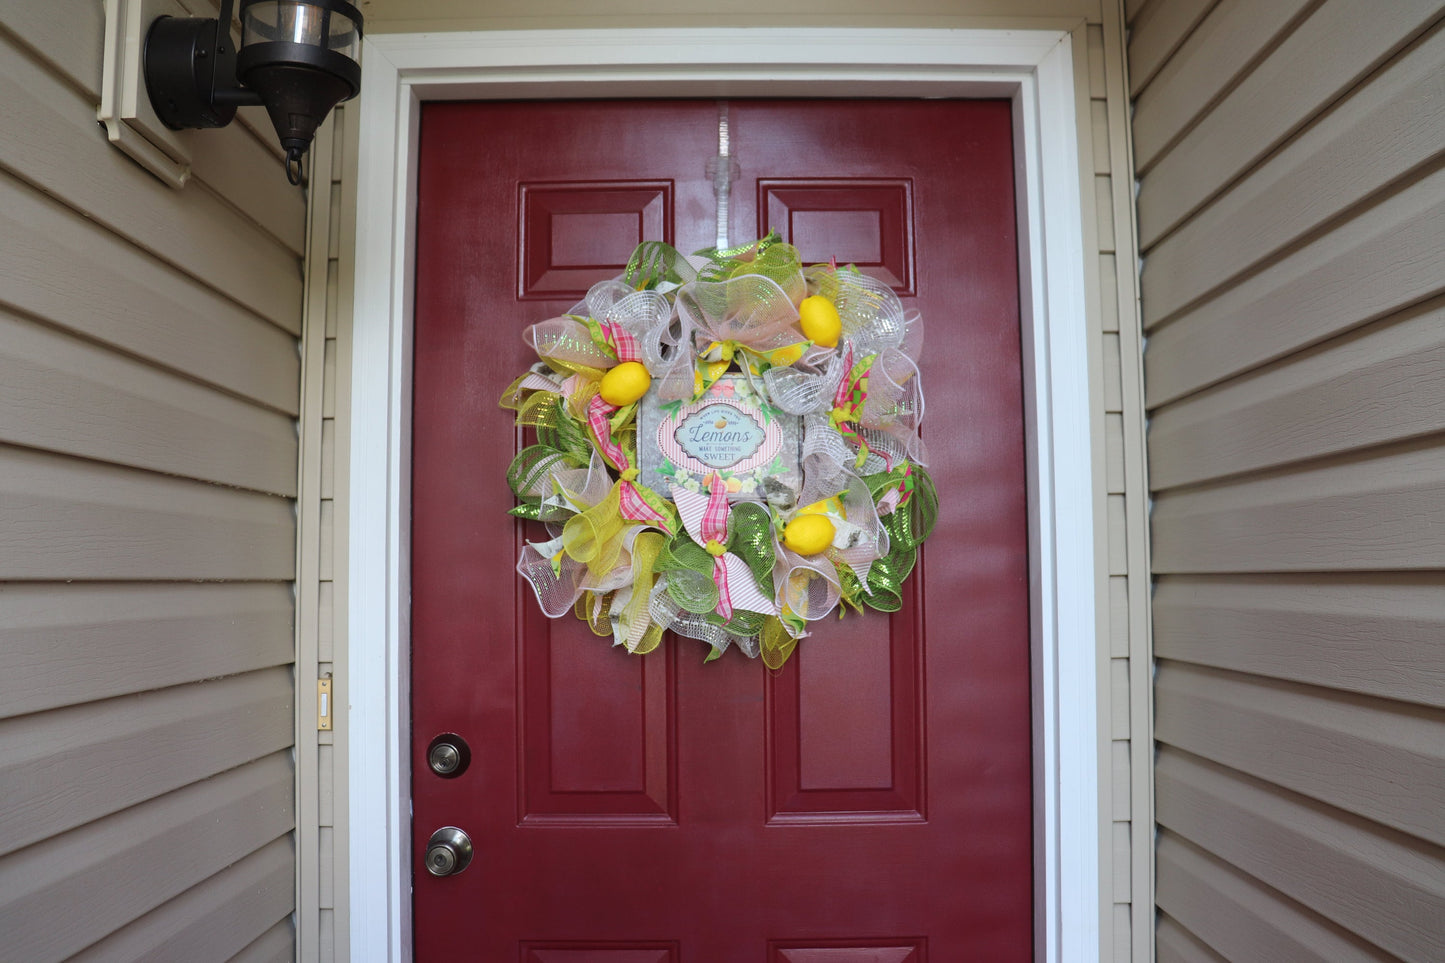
<point x="727" y="448"/>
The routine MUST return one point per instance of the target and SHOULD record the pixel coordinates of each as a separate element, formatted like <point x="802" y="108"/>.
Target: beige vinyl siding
<point x="1125" y="829"/>
<point x="149" y="381"/>
<point x="321" y="599"/>
<point x="1294" y="265"/>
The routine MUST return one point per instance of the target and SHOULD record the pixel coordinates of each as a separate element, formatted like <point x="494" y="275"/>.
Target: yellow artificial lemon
<point x="808" y="534"/>
<point x="819" y="320"/>
<point x="625" y="383"/>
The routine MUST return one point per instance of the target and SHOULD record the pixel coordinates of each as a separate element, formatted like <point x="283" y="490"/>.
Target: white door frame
<point x="1033" y="68"/>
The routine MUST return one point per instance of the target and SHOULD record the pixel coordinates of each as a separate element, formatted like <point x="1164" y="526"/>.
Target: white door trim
<point x="1035" y="69"/>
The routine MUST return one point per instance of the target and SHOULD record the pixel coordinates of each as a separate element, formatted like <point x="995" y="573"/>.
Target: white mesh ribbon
<point x="567" y="341"/>
<point x="870" y="312"/>
<point x="666" y="612"/>
<point x="895" y="395"/>
<point x="556" y="591"/>
<point x="751" y="310"/>
<point x="803" y="388"/>
<point x="808" y="587"/>
<point x="827" y="461"/>
<point x="642" y="314"/>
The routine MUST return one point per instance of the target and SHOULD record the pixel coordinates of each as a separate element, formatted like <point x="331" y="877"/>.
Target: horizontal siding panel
<point x="1376" y="636"/>
<point x="1386" y="384"/>
<point x="276" y="945"/>
<point x="63" y="268"/>
<point x="1157" y="33"/>
<point x="193" y="229"/>
<point x="244" y="171"/>
<point x="1227" y="41"/>
<point x="1174" y="944"/>
<point x="70" y="396"/>
<point x="1341" y="42"/>
<point x="1381" y="885"/>
<point x="64" y="768"/>
<point x="65" y="644"/>
<point x="215" y="919"/>
<point x="61" y="518"/>
<point x="1243" y="919"/>
<point x="1381" y="760"/>
<point x="1381" y="261"/>
<point x="1388" y="127"/>
<point x="1383" y="513"/>
<point x="61" y="897"/>
<point x="68" y="35"/>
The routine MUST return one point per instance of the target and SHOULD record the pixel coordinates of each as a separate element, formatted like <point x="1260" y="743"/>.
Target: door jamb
<point x="1034" y="68"/>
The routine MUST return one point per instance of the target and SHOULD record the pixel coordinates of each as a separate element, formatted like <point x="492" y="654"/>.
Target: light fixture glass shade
<point x="301" y="22"/>
<point x="300" y="55"/>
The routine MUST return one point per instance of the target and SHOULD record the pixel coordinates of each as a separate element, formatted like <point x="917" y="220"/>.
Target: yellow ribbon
<point x="594" y="537"/>
<point x="775" y="644"/>
<point x="719" y="356"/>
<point x="645" y="549"/>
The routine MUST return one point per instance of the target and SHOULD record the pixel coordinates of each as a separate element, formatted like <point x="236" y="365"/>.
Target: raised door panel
<point x="574" y="234"/>
<point x="866" y="222"/>
<point x="845" y="732"/>
<point x="573" y="687"/>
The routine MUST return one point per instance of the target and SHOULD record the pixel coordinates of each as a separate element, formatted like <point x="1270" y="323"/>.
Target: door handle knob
<point x="448" y="852"/>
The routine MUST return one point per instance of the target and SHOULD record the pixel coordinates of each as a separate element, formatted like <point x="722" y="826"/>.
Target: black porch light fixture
<point x="297" y="57"/>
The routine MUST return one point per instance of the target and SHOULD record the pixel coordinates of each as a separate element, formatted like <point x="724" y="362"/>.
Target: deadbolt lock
<point x="448" y="755"/>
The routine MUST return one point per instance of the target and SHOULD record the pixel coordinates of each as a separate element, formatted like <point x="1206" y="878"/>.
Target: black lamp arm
<point x="226" y="91"/>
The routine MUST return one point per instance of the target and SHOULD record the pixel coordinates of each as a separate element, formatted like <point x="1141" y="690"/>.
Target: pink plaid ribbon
<point x="599" y="414"/>
<point x="715" y="517"/>
<point x="622" y="341"/>
<point x="631" y="504"/>
<point x="715" y="529"/>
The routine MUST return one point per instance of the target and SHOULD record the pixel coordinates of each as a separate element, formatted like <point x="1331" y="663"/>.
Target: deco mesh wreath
<point x="727" y="448"/>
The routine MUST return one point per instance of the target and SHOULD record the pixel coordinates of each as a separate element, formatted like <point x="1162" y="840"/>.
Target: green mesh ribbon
<point x="656" y="264"/>
<point x="532" y="466"/>
<point x="743" y="622"/>
<point x="688" y="568"/>
<point x="770" y="257"/>
<point x="562" y="432"/>
<point x="561" y="443"/>
<point x="750" y="538"/>
<point x="907" y="526"/>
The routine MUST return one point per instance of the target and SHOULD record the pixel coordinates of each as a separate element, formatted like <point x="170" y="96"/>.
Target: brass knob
<point x="448" y="852"/>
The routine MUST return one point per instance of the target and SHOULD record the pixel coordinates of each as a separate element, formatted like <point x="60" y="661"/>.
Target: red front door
<point x="870" y="802"/>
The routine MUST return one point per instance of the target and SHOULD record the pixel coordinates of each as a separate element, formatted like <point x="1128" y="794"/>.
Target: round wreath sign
<point x="727" y="449"/>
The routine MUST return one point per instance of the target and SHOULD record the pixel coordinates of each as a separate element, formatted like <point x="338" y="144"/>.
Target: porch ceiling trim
<point x="1033" y="68"/>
